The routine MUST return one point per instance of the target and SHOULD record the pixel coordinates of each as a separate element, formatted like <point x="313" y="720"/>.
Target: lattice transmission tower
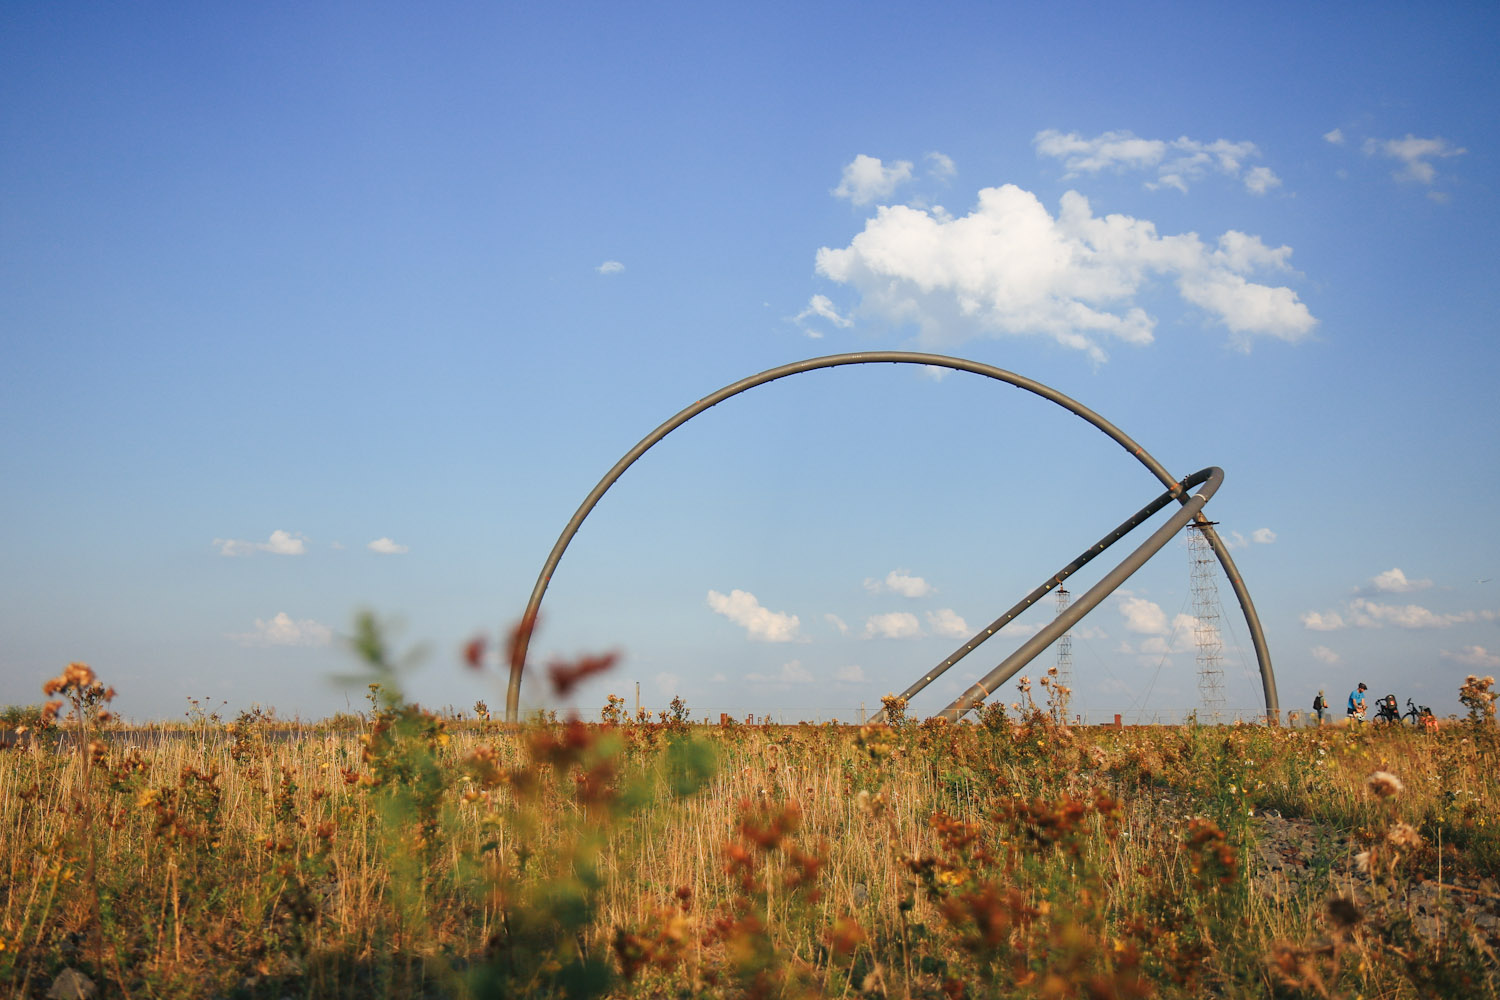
<point x="1064" y="642"/>
<point x="1206" y="612"/>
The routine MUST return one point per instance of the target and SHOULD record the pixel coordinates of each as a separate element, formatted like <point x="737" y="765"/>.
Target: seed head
<point x="1402" y="835"/>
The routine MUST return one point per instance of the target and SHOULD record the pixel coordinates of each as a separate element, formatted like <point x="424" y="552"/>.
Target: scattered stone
<point x="71" y="984"/>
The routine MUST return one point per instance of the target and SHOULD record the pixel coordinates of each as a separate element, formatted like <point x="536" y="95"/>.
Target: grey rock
<point x="71" y="984"/>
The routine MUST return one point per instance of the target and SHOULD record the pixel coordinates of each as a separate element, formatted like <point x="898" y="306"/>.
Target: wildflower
<point x="1343" y="913"/>
<point x="1362" y="861"/>
<point x="846" y="935"/>
<point x="1385" y="784"/>
<point x="1476" y="694"/>
<point x="474" y="652"/>
<point x="565" y="676"/>
<point x="1402" y="835"/>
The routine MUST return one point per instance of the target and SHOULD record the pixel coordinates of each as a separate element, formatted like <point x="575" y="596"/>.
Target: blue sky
<point x="306" y="309"/>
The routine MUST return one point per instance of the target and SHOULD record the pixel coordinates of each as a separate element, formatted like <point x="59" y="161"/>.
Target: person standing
<point x="1357" y="702"/>
<point x="1320" y="705"/>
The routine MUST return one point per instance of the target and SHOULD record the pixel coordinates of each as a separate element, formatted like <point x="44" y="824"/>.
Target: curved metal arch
<point x="528" y="619"/>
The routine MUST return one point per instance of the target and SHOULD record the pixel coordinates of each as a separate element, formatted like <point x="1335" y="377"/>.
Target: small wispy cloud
<point x="820" y="307"/>
<point x="1322" y="621"/>
<point x="792" y="672"/>
<point x="281" y="543"/>
<point x="895" y="625"/>
<point x="1370" y="614"/>
<point x="386" y="547"/>
<point x="940" y="165"/>
<point x="852" y="674"/>
<point x="837" y="623"/>
<point x="1260" y="536"/>
<point x="610" y="267"/>
<point x="1175" y="162"/>
<point x="947" y="622"/>
<point x="1361" y="612"/>
<point x="1473" y="656"/>
<point x="1325" y="655"/>
<point x="900" y="581"/>
<point x="1414" y="154"/>
<point x="283" y="630"/>
<point x="1393" y="581"/>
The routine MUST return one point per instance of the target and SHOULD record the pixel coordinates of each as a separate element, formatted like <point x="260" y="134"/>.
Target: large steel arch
<point x="1191" y="511"/>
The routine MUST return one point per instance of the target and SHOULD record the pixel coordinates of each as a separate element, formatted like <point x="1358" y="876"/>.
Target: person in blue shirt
<point x="1357" y="702"/>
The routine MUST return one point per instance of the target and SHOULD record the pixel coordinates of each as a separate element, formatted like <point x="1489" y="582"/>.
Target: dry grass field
<point x="409" y="855"/>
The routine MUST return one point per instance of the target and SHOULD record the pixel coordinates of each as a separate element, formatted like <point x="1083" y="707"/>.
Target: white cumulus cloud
<point x="1369" y="614"/>
<point x="900" y="581"/>
<point x="1143" y="616"/>
<point x="1263" y="536"/>
<point x="1322" y="621"/>
<point x="281" y="543"/>
<point x="386" y="547"/>
<point x="947" y="622"/>
<point x="1174" y="163"/>
<point x="283" y="630"/>
<point x="1325" y="655"/>
<point x="1393" y="581"/>
<point x="760" y="624"/>
<point x="895" y="625"/>
<point x="866" y="178"/>
<point x="1009" y="268"/>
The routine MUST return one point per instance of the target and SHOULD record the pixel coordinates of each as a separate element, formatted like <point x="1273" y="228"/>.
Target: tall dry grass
<point x="418" y="856"/>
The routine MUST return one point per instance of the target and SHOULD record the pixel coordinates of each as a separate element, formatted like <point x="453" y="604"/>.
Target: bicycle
<point x="1387" y="710"/>
<point x="1417" y="714"/>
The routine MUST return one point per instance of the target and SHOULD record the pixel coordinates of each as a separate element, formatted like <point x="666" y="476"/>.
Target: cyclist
<point x="1357" y="702"/>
